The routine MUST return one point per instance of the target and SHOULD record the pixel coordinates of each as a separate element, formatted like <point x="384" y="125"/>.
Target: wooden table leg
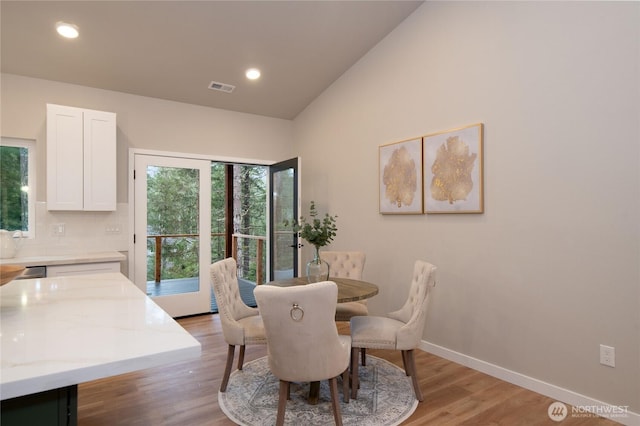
<point x="314" y="393"/>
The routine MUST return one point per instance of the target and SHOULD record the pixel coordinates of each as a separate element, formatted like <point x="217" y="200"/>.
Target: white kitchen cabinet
<point x="82" y="269"/>
<point x="81" y="159"/>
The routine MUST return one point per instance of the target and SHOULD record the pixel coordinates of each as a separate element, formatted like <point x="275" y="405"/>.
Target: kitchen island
<point x="65" y="259"/>
<point x="59" y="332"/>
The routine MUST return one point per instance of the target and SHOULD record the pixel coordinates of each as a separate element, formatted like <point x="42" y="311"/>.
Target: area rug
<point x="385" y="397"/>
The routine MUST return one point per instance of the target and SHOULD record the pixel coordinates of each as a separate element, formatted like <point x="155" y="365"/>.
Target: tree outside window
<point x="17" y="192"/>
<point x="172" y="197"/>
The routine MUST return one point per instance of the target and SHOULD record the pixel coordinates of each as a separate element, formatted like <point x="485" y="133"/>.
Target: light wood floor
<point x="186" y="394"/>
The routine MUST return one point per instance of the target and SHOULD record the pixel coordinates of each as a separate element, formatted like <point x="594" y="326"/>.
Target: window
<point x="17" y="185"/>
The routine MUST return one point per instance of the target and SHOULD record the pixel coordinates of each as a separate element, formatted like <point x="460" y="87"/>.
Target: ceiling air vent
<point x="214" y="85"/>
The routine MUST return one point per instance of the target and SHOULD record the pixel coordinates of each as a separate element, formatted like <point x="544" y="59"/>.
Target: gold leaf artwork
<point x="452" y="171"/>
<point x="400" y="178"/>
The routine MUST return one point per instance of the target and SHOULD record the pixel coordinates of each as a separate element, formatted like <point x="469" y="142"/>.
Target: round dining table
<point x="349" y="290"/>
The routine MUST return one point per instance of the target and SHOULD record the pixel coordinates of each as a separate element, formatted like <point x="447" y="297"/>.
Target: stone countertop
<point x="62" y="331"/>
<point x="65" y="259"/>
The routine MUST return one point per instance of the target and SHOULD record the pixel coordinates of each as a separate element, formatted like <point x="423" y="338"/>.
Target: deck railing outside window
<point x="246" y="261"/>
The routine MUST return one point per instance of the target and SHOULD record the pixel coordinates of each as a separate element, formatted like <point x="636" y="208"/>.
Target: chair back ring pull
<point x="297" y="313"/>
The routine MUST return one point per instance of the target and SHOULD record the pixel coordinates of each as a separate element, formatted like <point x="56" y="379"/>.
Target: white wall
<point x="551" y="269"/>
<point x="142" y="122"/>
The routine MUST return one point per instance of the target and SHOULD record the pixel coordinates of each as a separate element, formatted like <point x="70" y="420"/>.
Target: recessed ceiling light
<point x="253" y="73"/>
<point x="67" y="30"/>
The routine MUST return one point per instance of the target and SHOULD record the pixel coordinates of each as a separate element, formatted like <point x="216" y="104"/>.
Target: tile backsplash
<point x="70" y="232"/>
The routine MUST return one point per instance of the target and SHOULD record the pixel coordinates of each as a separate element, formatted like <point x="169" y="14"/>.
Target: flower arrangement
<point x="316" y="231"/>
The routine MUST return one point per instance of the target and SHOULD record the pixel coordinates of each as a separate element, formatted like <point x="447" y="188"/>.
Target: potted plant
<point x="319" y="232"/>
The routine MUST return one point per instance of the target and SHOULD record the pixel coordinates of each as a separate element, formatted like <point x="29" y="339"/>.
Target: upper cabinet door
<point x="81" y="159"/>
<point x="99" y="160"/>
<point x="65" y="162"/>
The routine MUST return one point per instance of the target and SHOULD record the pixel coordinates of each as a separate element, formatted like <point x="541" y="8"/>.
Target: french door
<point x="172" y="237"/>
<point x="284" y="247"/>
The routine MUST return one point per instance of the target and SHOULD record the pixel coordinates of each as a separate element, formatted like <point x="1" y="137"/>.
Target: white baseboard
<point x="567" y="396"/>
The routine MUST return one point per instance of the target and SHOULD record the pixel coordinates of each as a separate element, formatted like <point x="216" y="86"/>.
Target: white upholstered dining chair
<point x="241" y="324"/>
<point x="399" y="330"/>
<point x="302" y="339"/>
<point x="348" y="264"/>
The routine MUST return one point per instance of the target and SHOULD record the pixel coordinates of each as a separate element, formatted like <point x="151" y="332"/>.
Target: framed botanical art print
<point x="400" y="177"/>
<point x="453" y="176"/>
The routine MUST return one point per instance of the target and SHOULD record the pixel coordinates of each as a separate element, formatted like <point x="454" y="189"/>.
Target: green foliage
<point x="249" y="213"/>
<point x="172" y="209"/>
<point x="13" y="201"/>
<point x="316" y="231"/>
<point x="250" y="196"/>
<point x="217" y="211"/>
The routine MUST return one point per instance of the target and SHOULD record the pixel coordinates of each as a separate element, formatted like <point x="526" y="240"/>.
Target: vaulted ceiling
<point x="174" y="49"/>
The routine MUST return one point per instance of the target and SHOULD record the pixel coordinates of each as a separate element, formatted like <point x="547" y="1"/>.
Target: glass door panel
<point x="219" y="218"/>
<point x="284" y="246"/>
<point x="173" y="232"/>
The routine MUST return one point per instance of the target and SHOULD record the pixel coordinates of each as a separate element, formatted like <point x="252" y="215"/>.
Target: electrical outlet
<point x="113" y="228"/>
<point x="608" y="355"/>
<point x="57" y="230"/>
